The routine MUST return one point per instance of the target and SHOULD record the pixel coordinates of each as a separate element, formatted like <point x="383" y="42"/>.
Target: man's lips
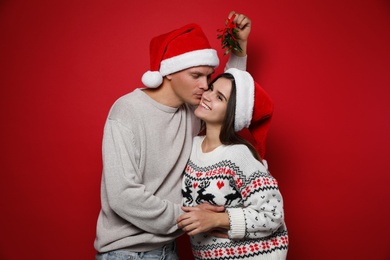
<point x="198" y="95"/>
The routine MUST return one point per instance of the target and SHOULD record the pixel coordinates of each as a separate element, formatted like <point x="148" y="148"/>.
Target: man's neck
<point x="164" y="95"/>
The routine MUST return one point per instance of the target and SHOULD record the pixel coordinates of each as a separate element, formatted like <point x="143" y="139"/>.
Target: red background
<point x="325" y="63"/>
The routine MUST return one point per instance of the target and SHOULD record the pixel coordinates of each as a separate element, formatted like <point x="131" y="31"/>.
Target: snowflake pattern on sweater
<point x="231" y="176"/>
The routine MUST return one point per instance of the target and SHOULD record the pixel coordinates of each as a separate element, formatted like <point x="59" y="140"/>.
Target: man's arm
<point x="237" y="59"/>
<point x="126" y="195"/>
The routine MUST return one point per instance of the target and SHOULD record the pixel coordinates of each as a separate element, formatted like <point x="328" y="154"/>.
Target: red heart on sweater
<point x="195" y="185"/>
<point x="220" y="184"/>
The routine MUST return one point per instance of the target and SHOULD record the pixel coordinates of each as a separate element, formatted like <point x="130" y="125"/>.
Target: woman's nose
<point x="206" y="95"/>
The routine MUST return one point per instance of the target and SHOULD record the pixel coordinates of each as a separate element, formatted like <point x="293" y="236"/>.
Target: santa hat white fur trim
<point x="206" y="57"/>
<point x="245" y="98"/>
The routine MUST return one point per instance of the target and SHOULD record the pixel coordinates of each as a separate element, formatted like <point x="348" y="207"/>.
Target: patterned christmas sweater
<point x="231" y="176"/>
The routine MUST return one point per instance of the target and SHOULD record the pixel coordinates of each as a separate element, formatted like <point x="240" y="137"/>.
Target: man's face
<point x="189" y="84"/>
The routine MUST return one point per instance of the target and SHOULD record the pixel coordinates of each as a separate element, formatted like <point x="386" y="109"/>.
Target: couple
<point x="148" y="137"/>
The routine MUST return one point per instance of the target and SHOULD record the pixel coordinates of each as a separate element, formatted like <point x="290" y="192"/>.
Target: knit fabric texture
<point x="231" y="176"/>
<point x="146" y="146"/>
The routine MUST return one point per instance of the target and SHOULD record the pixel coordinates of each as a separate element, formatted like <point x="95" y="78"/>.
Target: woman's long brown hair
<point x="228" y="136"/>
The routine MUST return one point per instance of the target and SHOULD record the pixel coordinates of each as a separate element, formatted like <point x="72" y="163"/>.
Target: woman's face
<point x="213" y="105"/>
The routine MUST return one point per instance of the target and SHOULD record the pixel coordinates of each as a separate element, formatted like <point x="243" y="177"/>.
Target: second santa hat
<point x="177" y="50"/>
<point x="254" y="108"/>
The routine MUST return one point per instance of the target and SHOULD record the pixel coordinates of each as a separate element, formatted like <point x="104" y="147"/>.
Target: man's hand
<point x="244" y="28"/>
<point x="203" y="218"/>
<point x="207" y="206"/>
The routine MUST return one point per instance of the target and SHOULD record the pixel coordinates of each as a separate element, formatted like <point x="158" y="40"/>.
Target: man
<point x="147" y="142"/>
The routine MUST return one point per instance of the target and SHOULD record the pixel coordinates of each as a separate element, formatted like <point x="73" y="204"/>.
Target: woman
<point x="225" y="169"/>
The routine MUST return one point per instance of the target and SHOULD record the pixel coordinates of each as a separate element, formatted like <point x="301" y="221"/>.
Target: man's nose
<point x="203" y="85"/>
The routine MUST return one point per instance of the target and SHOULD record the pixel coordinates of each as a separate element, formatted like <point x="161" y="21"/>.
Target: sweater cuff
<point x="237" y="223"/>
<point x="236" y="62"/>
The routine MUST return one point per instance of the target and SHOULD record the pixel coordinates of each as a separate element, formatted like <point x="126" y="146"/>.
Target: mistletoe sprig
<point x="228" y="36"/>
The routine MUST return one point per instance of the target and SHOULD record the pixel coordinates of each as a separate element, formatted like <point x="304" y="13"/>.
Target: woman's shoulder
<point x="196" y="143"/>
<point x="240" y="150"/>
<point x="198" y="139"/>
<point x="241" y="155"/>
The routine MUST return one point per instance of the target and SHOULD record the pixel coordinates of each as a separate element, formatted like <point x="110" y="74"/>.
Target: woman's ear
<point x="169" y="77"/>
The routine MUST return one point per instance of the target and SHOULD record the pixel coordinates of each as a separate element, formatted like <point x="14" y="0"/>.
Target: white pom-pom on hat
<point x="152" y="79"/>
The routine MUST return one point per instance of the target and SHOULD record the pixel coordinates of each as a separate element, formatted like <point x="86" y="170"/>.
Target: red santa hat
<point x="177" y="50"/>
<point x="254" y="109"/>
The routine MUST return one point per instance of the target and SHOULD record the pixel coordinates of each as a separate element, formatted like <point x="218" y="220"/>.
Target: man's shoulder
<point x="240" y="154"/>
<point x="127" y="105"/>
<point x="130" y="97"/>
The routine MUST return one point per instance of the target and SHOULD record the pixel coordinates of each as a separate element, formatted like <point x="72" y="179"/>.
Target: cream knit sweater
<point x="231" y="176"/>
